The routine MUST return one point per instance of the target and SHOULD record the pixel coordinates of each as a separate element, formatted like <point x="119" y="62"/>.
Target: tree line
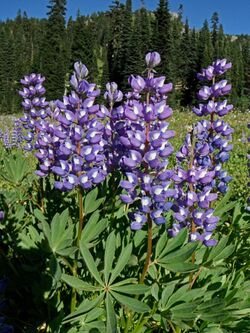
<point x="113" y="45"/>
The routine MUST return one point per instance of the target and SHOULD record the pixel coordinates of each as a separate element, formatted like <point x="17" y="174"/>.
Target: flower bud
<point x="153" y="59"/>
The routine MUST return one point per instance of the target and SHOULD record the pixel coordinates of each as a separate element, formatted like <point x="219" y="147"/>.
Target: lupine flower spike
<point x="199" y="176"/>
<point x="143" y="140"/>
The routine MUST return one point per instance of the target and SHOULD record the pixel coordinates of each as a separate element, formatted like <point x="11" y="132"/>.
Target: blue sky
<point x="234" y="14"/>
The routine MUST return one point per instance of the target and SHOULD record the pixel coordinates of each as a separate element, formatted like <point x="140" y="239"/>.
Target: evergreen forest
<point x="113" y="45"/>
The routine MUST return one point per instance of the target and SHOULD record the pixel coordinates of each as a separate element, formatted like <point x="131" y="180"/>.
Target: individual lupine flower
<point x="34" y="105"/>
<point x="152" y="59"/>
<point x="199" y="175"/>
<point x="142" y="140"/>
<point x="112" y="93"/>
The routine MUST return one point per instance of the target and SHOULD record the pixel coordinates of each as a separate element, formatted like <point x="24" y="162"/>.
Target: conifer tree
<point x="115" y="51"/>
<point x="215" y="27"/>
<point x="83" y="45"/>
<point x="54" y="50"/>
<point x="205" y="46"/>
<point x="162" y="33"/>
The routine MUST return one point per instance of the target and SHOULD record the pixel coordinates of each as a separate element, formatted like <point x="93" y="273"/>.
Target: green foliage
<point x="188" y="288"/>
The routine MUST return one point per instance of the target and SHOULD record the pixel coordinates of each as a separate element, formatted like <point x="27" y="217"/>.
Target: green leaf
<point x="109" y="255"/>
<point x="225" y="253"/>
<point x="90" y="263"/>
<point x="167" y="292"/>
<point x="184" y="311"/>
<point x="46" y="230"/>
<point x="211" y="305"/>
<point x="180" y="267"/>
<point x="225" y="205"/>
<point x="55" y="269"/>
<point x="139" y="236"/>
<point x="39" y="215"/>
<point x="78" y="284"/>
<point x="133" y="289"/>
<point x="125" y="281"/>
<point x="16" y="168"/>
<point x="180" y="292"/>
<point x="220" y="206"/>
<point x="216" y="250"/>
<point x="180" y="255"/>
<point x="175" y="242"/>
<point x="94" y="228"/>
<point x="111" y="316"/>
<point x="161" y="244"/>
<point x="132" y="303"/>
<point x="213" y="329"/>
<point x="58" y="234"/>
<point x="155" y="291"/>
<point x="83" y="308"/>
<point x="91" y="202"/>
<point x="214" y="317"/>
<point x="58" y="227"/>
<point x="93" y="314"/>
<point x="121" y="263"/>
<point x="91" y="224"/>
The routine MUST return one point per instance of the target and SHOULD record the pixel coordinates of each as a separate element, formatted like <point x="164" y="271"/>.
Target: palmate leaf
<point x="16" y="168"/>
<point x="59" y="234"/>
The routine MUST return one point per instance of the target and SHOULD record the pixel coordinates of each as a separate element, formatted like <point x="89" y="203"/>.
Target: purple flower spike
<point x="199" y="176"/>
<point x="68" y="135"/>
<point x="140" y="144"/>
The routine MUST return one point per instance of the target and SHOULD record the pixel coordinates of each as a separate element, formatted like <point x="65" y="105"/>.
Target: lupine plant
<point x="143" y="136"/>
<point x="199" y="175"/>
<point x="152" y="248"/>
<point x="12" y="137"/>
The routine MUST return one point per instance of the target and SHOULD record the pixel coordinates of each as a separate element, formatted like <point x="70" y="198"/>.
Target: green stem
<point x="175" y="330"/>
<point x="191" y="189"/>
<point x="79" y="234"/>
<point x="81" y="216"/>
<point x="140" y="324"/>
<point x="149" y="250"/>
